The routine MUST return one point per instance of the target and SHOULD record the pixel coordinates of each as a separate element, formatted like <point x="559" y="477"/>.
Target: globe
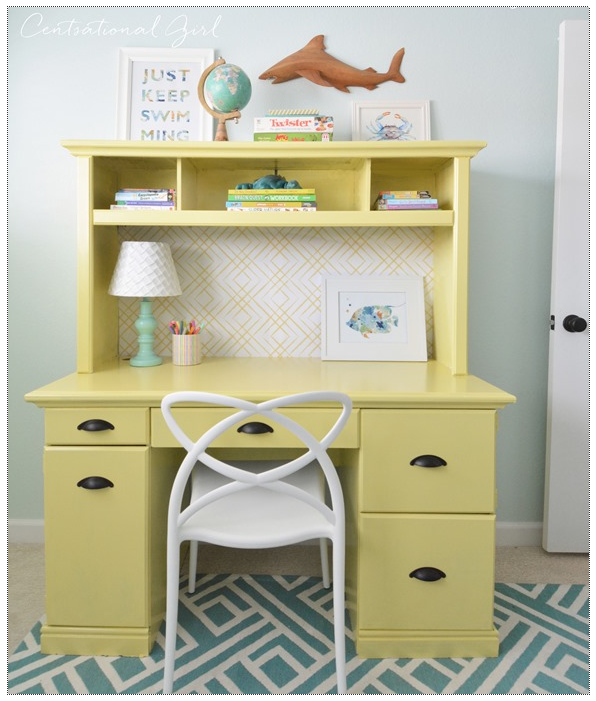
<point x="228" y="88"/>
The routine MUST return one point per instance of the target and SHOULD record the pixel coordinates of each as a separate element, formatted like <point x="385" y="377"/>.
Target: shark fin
<point x="317" y="42"/>
<point x="339" y="86"/>
<point x="314" y="77"/>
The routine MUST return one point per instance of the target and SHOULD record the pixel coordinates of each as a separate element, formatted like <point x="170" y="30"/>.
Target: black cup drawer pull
<point x="95" y="482"/>
<point x="428" y="574"/>
<point x="95" y="425"/>
<point x="254" y="427"/>
<point x="428" y="461"/>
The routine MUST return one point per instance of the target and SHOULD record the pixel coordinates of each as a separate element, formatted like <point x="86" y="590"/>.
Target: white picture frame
<point x="391" y="121"/>
<point x="373" y="318"/>
<point x="172" y="110"/>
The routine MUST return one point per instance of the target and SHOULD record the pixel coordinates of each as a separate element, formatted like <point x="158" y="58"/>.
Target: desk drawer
<point x="96" y="536"/>
<point x="464" y="440"/>
<point x="196" y="421"/>
<point x="393" y="547"/>
<point x="100" y="426"/>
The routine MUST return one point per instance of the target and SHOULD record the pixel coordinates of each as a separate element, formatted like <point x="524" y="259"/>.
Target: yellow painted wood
<point x="163" y="466"/>
<point x="89" y="640"/>
<point x="393" y="546"/>
<point x="100" y="564"/>
<point x="211" y="217"/>
<point x="461" y="246"/>
<point x="346" y="175"/>
<point x="427" y="644"/>
<point x="464" y="439"/>
<point x="429" y="152"/>
<point x="443" y="296"/>
<point x="106" y="550"/>
<point x="187" y="188"/>
<point x="451" y="251"/>
<point x="97" y="312"/>
<point x="85" y="282"/>
<point x="131" y="427"/>
<point x="195" y="422"/>
<point x="105" y="307"/>
<point x="96" y="540"/>
<point x="370" y="385"/>
<point x="350" y="474"/>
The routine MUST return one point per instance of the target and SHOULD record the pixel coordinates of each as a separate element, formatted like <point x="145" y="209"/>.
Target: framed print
<point x="157" y="95"/>
<point x="391" y="121"/>
<point x="373" y="318"/>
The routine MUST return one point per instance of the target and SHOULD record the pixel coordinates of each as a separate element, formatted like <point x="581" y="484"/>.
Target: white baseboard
<point x="517" y="533"/>
<point x="25" y="530"/>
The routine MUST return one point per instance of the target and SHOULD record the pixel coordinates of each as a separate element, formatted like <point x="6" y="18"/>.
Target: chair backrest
<point x="242" y="479"/>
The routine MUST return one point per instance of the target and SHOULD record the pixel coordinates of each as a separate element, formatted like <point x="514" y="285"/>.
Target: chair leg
<point x="172" y="585"/>
<point x="339" y="616"/>
<point x="192" y="566"/>
<point x="324" y="562"/>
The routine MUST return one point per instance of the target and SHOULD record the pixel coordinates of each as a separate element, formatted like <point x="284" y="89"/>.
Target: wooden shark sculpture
<point x="315" y="64"/>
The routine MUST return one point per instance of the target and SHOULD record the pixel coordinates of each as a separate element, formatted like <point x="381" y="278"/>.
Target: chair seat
<point x="243" y="519"/>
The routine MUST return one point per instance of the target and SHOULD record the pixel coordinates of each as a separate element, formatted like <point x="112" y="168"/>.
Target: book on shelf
<point x="404" y="194"/>
<point x="403" y="201"/>
<point x="126" y="195"/>
<point x="276" y="208"/>
<point x="394" y="207"/>
<point x="272" y="195"/>
<point x="268" y="204"/>
<point x="147" y="206"/>
<point x="272" y="200"/>
<point x="294" y="123"/>
<point x="273" y="191"/>
<point x="292" y="136"/>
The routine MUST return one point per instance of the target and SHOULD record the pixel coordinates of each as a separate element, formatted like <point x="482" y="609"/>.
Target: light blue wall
<point x="491" y="74"/>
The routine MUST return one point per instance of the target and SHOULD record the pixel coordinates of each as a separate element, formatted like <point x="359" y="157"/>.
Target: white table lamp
<point x="145" y="269"/>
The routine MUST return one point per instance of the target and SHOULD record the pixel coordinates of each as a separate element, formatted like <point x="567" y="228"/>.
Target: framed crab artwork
<point x="391" y="121"/>
<point x="373" y="318"/>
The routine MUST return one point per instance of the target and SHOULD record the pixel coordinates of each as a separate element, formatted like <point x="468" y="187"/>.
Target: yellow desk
<point x="105" y="548"/>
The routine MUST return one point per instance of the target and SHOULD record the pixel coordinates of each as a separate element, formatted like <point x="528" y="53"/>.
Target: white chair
<point x="256" y="504"/>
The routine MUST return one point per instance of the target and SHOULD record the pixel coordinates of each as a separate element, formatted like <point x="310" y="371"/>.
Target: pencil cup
<point x="186" y="349"/>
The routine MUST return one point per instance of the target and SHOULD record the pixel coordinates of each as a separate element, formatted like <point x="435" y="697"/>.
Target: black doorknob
<point x="574" y="324"/>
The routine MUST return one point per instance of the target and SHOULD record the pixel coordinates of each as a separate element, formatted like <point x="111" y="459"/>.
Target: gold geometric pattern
<point x="258" y="290"/>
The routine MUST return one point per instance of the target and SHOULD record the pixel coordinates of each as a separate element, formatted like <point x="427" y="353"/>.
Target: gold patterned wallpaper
<point x="259" y="290"/>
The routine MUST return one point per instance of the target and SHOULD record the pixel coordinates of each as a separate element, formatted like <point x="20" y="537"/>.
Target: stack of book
<point x="298" y="200"/>
<point x="405" y="199"/>
<point x="160" y="199"/>
<point x="293" y="125"/>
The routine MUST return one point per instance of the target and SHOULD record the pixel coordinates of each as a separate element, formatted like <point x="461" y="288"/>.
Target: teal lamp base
<point x="146" y="326"/>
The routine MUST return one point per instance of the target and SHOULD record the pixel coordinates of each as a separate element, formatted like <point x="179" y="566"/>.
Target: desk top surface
<point x="391" y="385"/>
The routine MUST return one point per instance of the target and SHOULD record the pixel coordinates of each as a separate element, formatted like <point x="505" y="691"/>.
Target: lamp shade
<point x="145" y="269"/>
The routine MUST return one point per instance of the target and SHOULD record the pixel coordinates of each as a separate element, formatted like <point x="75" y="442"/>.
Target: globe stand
<point x="222" y="133"/>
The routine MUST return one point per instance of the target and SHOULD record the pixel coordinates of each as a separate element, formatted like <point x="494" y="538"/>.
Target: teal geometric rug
<point x="273" y="635"/>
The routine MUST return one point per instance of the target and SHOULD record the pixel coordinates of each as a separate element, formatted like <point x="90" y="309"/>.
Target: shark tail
<point x="394" y="72"/>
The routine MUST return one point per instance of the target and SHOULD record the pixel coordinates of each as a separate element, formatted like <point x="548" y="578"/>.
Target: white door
<point x="566" y="495"/>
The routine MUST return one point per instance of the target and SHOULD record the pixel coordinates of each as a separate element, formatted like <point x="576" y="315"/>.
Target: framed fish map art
<point x="373" y="318"/>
